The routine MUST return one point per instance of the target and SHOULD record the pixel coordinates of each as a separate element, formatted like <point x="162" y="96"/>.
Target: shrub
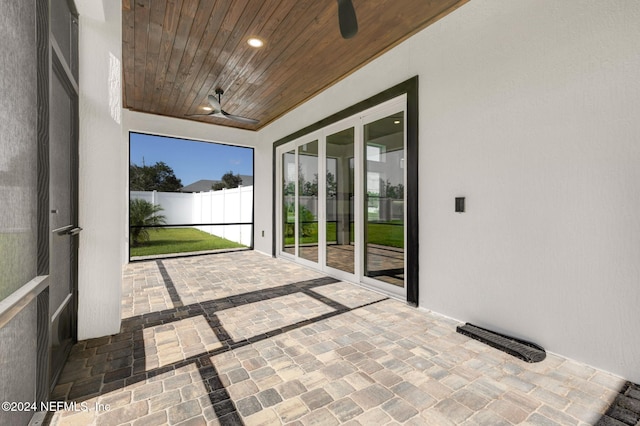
<point x="143" y="214"/>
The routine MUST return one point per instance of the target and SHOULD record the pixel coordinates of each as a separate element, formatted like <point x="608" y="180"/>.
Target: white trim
<point x="376" y="113"/>
<point x="322" y="200"/>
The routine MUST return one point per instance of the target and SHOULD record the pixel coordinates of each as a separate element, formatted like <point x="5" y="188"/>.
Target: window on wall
<point x="188" y="197"/>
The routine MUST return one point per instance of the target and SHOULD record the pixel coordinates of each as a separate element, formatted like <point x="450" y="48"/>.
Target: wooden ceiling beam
<point x="170" y="26"/>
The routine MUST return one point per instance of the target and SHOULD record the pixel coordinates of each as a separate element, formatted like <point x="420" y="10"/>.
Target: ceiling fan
<point x="217" y="111"/>
<point x="347" y="19"/>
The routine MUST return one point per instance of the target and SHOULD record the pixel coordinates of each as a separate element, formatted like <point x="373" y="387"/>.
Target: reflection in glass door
<point x="384" y="199"/>
<point x="288" y="202"/>
<point x="340" y="247"/>
<point x="308" y="201"/>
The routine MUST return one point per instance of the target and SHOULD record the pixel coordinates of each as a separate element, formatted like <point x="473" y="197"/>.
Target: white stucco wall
<point x="102" y="174"/>
<point x="530" y="110"/>
<point x="187" y="129"/>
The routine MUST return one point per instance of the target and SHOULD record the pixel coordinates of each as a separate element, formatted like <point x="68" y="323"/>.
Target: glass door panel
<point x="288" y="202"/>
<point x="308" y="201"/>
<point x="340" y="248"/>
<point x="384" y="233"/>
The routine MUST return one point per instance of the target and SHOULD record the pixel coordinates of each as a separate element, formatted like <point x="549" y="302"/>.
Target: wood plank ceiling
<point x="176" y="52"/>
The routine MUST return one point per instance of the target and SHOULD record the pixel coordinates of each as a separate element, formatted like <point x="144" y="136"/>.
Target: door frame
<point x="61" y="70"/>
<point x="374" y="114"/>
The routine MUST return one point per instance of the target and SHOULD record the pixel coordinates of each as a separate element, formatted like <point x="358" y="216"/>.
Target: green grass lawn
<point x="384" y="234"/>
<point x="180" y="240"/>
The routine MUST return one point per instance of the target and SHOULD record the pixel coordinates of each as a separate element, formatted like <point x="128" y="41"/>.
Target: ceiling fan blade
<point x="239" y="119"/>
<point x="347" y="19"/>
<point x="215" y="104"/>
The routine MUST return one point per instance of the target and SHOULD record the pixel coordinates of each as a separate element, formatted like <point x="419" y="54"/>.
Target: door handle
<point x="63" y="230"/>
<point x="74" y="231"/>
<point x="67" y="230"/>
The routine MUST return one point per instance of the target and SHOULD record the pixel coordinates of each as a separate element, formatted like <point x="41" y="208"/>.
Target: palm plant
<point x="143" y="214"/>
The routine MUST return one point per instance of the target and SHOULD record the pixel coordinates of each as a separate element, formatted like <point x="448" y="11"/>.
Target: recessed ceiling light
<point x="207" y="108"/>
<point x="396" y="122"/>
<point x="255" y="42"/>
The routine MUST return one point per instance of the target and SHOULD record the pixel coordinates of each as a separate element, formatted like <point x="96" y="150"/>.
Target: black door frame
<point x="61" y="72"/>
<point x="410" y="88"/>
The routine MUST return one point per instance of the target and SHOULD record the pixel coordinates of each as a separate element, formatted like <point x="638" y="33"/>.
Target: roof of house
<point x="204" y="185"/>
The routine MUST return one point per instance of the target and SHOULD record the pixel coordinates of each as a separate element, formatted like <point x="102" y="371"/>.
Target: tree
<point x="332" y="185"/>
<point x="306" y="187"/>
<point x="229" y="180"/>
<point x="392" y="191"/>
<point x="310" y="189"/>
<point x="159" y="177"/>
<point x="143" y="214"/>
<point x="306" y="219"/>
<point x="289" y="189"/>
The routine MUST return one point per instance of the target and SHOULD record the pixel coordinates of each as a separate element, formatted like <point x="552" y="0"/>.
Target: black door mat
<point x="625" y="409"/>
<point x="526" y="351"/>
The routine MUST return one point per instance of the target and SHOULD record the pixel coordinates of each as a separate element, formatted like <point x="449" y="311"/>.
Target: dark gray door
<point x="63" y="182"/>
<point x="63" y="202"/>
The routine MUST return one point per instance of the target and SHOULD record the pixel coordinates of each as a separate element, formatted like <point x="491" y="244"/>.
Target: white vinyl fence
<point x="227" y="206"/>
<point x="386" y="208"/>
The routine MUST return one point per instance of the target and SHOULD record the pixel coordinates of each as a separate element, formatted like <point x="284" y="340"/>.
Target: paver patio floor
<point x="241" y="338"/>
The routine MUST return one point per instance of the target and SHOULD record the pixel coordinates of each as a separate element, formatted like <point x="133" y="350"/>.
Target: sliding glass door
<point x="340" y="197"/>
<point x="288" y="205"/>
<point x="342" y="193"/>
<point x="384" y="231"/>
<point x="307" y="201"/>
<point x="300" y="205"/>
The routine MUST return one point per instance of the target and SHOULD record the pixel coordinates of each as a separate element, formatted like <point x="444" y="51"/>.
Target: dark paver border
<point x="129" y="343"/>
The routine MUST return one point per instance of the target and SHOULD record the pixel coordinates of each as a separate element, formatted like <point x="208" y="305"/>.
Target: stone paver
<point x="241" y="338"/>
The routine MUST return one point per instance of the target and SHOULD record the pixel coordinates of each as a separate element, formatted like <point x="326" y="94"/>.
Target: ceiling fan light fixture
<point x="255" y="42"/>
<point x="207" y="108"/>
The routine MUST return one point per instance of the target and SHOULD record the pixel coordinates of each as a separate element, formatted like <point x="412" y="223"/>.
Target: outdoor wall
<point x="530" y="110"/>
<point x="102" y="171"/>
<point x="187" y="129"/>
